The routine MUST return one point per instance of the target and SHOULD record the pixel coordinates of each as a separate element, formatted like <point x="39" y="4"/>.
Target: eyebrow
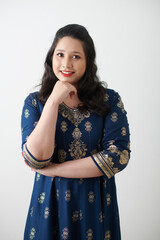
<point x="61" y="50"/>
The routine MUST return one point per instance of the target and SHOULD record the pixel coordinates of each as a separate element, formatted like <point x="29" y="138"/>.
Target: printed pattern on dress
<point x="80" y="197"/>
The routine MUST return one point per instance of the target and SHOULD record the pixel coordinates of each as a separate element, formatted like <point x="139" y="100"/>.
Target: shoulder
<point x="31" y="97"/>
<point x="111" y="95"/>
<point x="33" y="101"/>
<point x="114" y="101"/>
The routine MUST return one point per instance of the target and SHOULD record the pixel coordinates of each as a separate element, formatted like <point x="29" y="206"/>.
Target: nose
<point x="67" y="63"/>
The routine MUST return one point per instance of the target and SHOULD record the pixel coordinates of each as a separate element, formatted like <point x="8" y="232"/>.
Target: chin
<point x="66" y="80"/>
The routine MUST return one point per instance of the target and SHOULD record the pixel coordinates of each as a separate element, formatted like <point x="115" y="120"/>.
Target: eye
<point x="76" y="57"/>
<point x="60" y="54"/>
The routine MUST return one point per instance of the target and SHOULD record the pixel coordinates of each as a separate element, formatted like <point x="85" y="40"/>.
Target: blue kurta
<point x="78" y="209"/>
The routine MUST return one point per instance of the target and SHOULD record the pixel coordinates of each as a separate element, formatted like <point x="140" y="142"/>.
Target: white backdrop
<point x="127" y="39"/>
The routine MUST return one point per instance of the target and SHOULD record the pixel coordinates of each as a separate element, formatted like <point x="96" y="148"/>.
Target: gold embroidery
<point x="91" y="197"/>
<point x="38" y="177"/>
<point x="107" y="235"/>
<point x="111" y="142"/>
<point x="31" y="212"/>
<point x="123" y="131"/>
<point x="89" y="234"/>
<point x="94" y="151"/>
<point x="68" y="195"/>
<point x="81" y="180"/>
<point x="103" y="165"/>
<point x="114" y="117"/>
<point x="105" y="183"/>
<point x="116" y="170"/>
<point x="80" y="215"/>
<point x="77" y="215"/>
<point x="120" y="105"/>
<point x="88" y="126"/>
<point x="101" y="217"/>
<point x="46" y="212"/>
<point x="26" y="113"/>
<point x="73" y="115"/>
<point x="64" y="126"/>
<point x="34" y="163"/>
<point x="106" y="97"/>
<point x="108" y="198"/>
<point x="106" y="163"/>
<point x="65" y="233"/>
<point x="41" y="198"/>
<point x="76" y="133"/>
<point x="57" y="194"/>
<point x="124" y="157"/>
<point x="113" y="149"/>
<point x="34" y="102"/>
<point x="32" y="233"/>
<point x="110" y="162"/>
<point x="77" y="149"/>
<point x="61" y="155"/>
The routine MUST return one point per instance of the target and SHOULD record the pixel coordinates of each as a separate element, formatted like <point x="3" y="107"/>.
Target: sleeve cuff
<point x="111" y="163"/>
<point x="101" y="160"/>
<point x="32" y="161"/>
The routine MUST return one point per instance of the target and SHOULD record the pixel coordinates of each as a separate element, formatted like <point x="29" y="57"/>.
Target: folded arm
<point x="112" y="159"/>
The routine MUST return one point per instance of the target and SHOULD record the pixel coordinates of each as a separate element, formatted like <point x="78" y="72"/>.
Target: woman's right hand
<point x="61" y="91"/>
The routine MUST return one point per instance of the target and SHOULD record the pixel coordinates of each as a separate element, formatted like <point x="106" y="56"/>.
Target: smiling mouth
<point x="67" y="73"/>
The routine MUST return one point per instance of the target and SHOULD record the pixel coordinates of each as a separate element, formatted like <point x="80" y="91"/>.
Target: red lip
<point x="67" y="75"/>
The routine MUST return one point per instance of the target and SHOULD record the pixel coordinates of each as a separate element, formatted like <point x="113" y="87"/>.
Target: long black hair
<point x="91" y="91"/>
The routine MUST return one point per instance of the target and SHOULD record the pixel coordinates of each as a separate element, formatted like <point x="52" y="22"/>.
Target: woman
<point x="75" y="136"/>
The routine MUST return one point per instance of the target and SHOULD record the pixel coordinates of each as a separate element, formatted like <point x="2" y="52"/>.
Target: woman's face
<point x="69" y="60"/>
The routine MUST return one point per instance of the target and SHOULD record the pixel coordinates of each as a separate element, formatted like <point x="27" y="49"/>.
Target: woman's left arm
<point x="81" y="168"/>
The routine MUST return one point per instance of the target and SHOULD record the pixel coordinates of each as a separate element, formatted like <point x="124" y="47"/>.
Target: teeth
<point x="66" y="72"/>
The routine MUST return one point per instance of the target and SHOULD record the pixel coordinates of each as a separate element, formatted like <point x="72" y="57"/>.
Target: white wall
<point x="127" y="36"/>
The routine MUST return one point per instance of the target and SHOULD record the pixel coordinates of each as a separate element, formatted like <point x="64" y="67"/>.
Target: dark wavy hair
<point x="91" y="91"/>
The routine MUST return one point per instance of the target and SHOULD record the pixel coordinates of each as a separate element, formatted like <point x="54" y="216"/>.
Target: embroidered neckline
<point x="73" y="115"/>
<point x="71" y="109"/>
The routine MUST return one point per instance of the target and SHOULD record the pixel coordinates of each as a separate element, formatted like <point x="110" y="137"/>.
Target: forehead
<point x="70" y="44"/>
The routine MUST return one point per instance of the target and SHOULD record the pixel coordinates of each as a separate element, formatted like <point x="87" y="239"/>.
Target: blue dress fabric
<point x="78" y="209"/>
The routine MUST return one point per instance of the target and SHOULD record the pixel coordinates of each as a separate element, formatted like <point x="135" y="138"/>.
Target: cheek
<point x="83" y="68"/>
<point x="55" y="66"/>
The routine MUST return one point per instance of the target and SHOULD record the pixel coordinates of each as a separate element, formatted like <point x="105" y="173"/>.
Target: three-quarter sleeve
<point x="115" y="152"/>
<point x="29" y="119"/>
